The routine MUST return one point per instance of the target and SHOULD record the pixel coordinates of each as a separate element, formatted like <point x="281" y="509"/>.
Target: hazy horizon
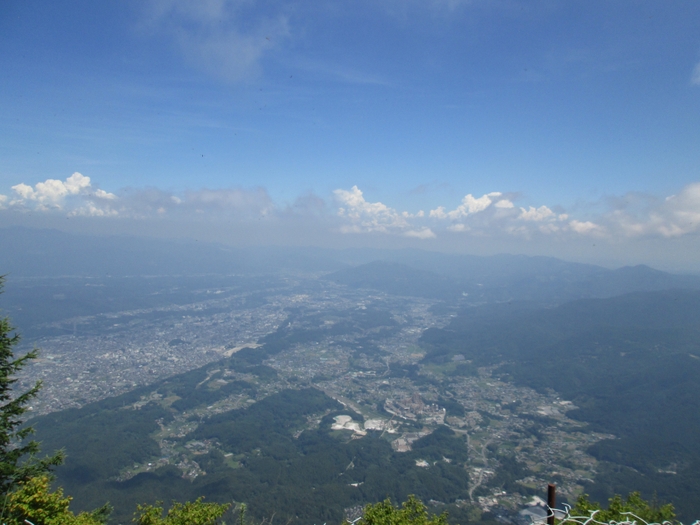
<point x="567" y="130"/>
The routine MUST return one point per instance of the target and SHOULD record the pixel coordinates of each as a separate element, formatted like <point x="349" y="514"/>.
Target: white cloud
<point x="695" y="77"/>
<point x="469" y="206"/>
<point x="438" y="213"/>
<point x="24" y="191"/>
<point x="3" y="200"/>
<point x="52" y="193"/>
<point x="102" y="194"/>
<point x="549" y="228"/>
<point x="76" y="183"/>
<point x="91" y="210"/>
<point x="489" y="216"/>
<point x="76" y="197"/>
<point x="536" y="214"/>
<point x="639" y="215"/>
<point x="585" y="227"/>
<point x="504" y="203"/>
<point x="423" y="233"/>
<point x="493" y="214"/>
<point x="685" y="207"/>
<point x="367" y="216"/>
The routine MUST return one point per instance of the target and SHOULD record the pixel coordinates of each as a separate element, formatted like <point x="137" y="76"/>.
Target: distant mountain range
<point x="506" y="278"/>
<point x="28" y="252"/>
<point x="52" y="275"/>
<point x="51" y="253"/>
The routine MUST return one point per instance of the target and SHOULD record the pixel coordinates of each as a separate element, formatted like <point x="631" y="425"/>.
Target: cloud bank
<point x="78" y="197"/>
<point x="349" y="213"/>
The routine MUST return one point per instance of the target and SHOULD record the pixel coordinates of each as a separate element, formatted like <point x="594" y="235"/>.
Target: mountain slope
<point x="503" y="278"/>
<point x="630" y="363"/>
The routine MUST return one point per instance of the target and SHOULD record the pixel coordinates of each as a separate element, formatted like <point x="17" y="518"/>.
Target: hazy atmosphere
<point x="313" y="260"/>
<point x="568" y="129"/>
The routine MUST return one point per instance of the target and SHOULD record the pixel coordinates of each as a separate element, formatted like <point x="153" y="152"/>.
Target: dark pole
<point x="551" y="502"/>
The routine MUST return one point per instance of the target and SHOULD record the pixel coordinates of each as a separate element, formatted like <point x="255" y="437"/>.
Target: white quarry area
<point x="380" y="424"/>
<point x="344" y="422"/>
<point x="555" y="411"/>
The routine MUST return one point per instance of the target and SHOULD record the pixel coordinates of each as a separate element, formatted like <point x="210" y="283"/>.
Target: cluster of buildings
<point x="413" y="408"/>
<point x="108" y="354"/>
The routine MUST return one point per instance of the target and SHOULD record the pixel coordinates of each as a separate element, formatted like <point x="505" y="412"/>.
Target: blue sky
<point x="481" y="126"/>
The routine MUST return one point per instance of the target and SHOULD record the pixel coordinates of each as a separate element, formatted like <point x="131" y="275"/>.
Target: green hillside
<point x="268" y="455"/>
<point x="631" y="364"/>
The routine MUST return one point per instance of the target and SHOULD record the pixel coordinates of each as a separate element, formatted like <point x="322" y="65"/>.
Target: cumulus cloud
<point x="638" y="215"/>
<point x="92" y="210"/>
<point x="367" y="216"/>
<point x="77" y="197"/>
<point x="504" y="203"/>
<point x="549" y="223"/>
<point x="225" y="38"/>
<point x="423" y="233"/>
<point x="585" y="227"/>
<point x="52" y="192"/>
<point x="495" y="214"/>
<point x="536" y="214"/>
<point x="469" y="206"/>
<point x="491" y="215"/>
<point x="364" y="217"/>
<point x="57" y="194"/>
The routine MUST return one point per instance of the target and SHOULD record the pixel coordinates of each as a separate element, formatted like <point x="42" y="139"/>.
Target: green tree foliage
<point x="411" y="512"/>
<point x="191" y="513"/>
<point x="33" y="501"/>
<point x="308" y="478"/>
<point x="18" y="461"/>
<point x="627" y="509"/>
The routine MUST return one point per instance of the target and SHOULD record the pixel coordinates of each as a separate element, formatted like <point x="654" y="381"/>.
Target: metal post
<point x="551" y="502"/>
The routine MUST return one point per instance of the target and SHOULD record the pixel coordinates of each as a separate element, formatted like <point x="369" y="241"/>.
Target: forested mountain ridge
<point x="630" y="363"/>
<point x="505" y="278"/>
<point x="279" y="453"/>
